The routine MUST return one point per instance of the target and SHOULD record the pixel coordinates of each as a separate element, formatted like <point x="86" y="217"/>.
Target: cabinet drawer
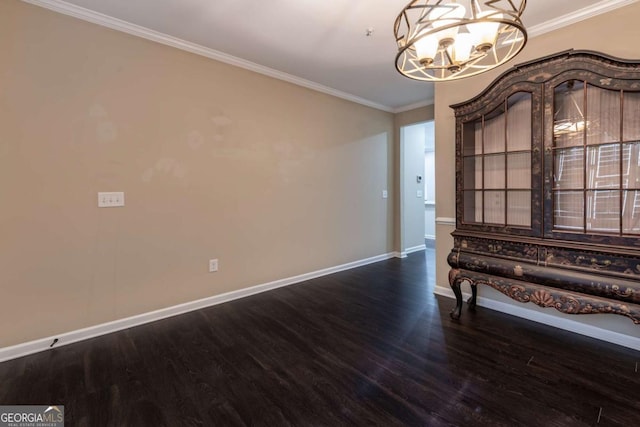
<point x="499" y="248"/>
<point x="606" y="263"/>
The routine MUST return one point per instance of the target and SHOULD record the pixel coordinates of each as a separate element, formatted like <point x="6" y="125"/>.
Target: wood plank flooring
<point x="365" y="347"/>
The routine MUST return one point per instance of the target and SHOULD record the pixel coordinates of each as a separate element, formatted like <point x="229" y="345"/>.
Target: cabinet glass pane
<point x="631" y="212"/>
<point x="631" y="124"/>
<point x="631" y="165"/>
<point x="568" y="168"/>
<point x="472" y="138"/>
<point x="603" y="166"/>
<point x="519" y="170"/>
<point x="494" y="207"/>
<point x="603" y="211"/>
<point x="494" y="168"/>
<point x="603" y="115"/>
<point x="473" y="172"/>
<point x="472" y="206"/>
<point x="568" y="210"/>
<point x="519" y="122"/>
<point x="519" y="208"/>
<point x="568" y="114"/>
<point x="494" y="132"/>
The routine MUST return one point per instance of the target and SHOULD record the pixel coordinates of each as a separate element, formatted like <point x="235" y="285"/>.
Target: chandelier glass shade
<point x="441" y="40"/>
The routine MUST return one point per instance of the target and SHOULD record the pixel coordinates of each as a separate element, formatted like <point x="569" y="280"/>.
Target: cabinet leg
<point x="455" y="286"/>
<point x="474" y="295"/>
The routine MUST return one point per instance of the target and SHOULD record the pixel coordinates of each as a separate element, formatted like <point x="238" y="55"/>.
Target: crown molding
<point x="146" y="33"/>
<point x="88" y="15"/>
<point x="577" y="16"/>
<point x="425" y="103"/>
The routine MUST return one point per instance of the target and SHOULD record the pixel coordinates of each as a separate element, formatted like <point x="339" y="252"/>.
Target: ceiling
<point x="315" y="43"/>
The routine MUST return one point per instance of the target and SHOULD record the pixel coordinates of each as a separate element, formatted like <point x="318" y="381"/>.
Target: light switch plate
<point x="110" y="199"/>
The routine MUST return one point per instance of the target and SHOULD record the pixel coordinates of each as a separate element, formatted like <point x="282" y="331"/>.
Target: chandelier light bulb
<point x="426" y="49"/>
<point x="485" y="32"/>
<point x="462" y="47"/>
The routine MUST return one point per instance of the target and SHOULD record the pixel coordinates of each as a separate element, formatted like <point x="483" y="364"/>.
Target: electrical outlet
<point x="213" y="265"/>
<point x="110" y="199"/>
<point x="385" y="194"/>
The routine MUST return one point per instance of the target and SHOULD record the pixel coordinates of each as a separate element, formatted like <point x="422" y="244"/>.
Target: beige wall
<point x="614" y="33"/>
<point x="272" y="179"/>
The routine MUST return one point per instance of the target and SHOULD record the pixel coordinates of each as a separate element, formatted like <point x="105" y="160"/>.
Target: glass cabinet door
<point x="595" y="146"/>
<point x="631" y="163"/>
<point x="496" y="166"/>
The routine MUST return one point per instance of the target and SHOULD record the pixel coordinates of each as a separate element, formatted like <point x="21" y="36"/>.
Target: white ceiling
<point x="315" y="43"/>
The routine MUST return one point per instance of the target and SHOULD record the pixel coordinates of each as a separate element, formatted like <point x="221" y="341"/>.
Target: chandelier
<point x="441" y="40"/>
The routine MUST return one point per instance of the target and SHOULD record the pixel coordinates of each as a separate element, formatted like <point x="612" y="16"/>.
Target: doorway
<point x="417" y="187"/>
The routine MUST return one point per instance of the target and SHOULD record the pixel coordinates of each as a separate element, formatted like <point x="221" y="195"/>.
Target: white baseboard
<point x="400" y="254"/>
<point x="415" y="249"/>
<point x="65" y="338"/>
<point x="547" y="319"/>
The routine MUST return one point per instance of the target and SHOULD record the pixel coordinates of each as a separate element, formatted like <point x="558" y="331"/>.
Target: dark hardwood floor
<point x="370" y="346"/>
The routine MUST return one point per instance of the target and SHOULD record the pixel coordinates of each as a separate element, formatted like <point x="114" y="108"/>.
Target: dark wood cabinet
<point x="548" y="186"/>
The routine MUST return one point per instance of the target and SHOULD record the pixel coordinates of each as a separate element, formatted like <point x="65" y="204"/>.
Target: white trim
<point x="548" y="319"/>
<point x="577" y="16"/>
<point x="65" y="338"/>
<point x="429" y="237"/>
<point x="425" y="103"/>
<point x="156" y="36"/>
<point x="165" y="39"/>
<point x="441" y="220"/>
<point x="400" y="254"/>
<point x="415" y="249"/>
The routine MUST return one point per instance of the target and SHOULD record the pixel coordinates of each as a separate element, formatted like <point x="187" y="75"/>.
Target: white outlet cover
<point x="110" y="199"/>
<point x="213" y="265"/>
